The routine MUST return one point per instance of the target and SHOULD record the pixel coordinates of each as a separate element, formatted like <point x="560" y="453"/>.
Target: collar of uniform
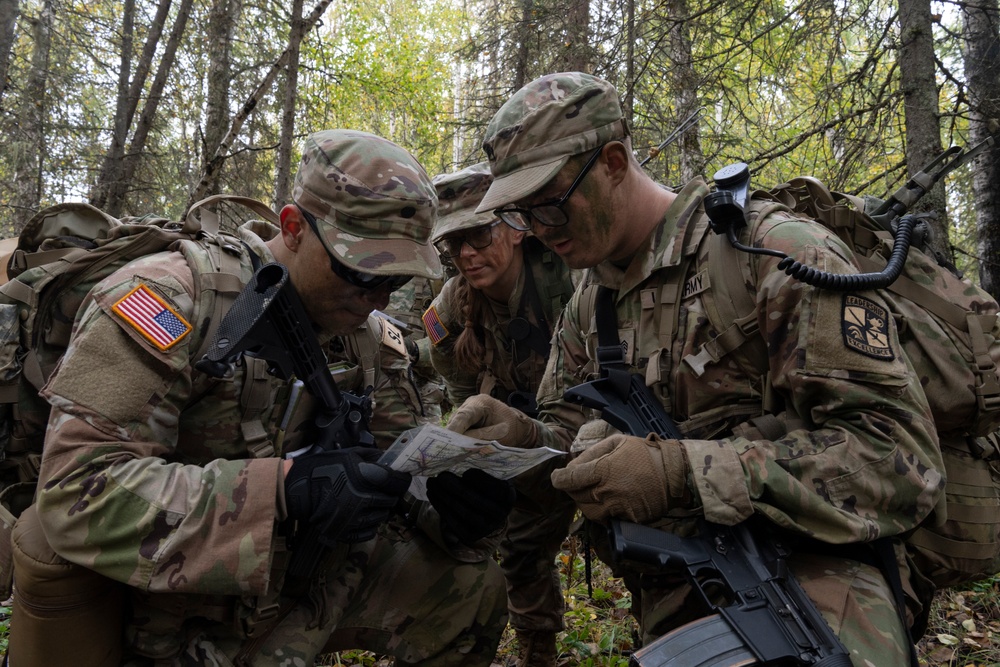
<point x="665" y="245"/>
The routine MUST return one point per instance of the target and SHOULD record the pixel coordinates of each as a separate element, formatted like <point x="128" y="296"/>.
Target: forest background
<point x="146" y="107"/>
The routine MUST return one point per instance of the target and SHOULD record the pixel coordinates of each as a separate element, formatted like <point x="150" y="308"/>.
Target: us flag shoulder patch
<point x="865" y="326"/>
<point x="436" y="329"/>
<point x="152" y="317"/>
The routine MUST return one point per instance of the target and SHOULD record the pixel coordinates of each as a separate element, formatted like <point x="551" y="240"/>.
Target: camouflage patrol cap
<point x="458" y="195"/>
<point x="536" y="131"/>
<point x="374" y="203"/>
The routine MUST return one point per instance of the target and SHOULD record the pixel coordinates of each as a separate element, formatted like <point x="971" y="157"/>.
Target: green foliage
<point x="4" y="628"/>
<point x="385" y="67"/>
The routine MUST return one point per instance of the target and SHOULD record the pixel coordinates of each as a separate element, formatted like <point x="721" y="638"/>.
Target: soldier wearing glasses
<point x="832" y="449"/>
<point x="490" y="330"/>
<point x="169" y="486"/>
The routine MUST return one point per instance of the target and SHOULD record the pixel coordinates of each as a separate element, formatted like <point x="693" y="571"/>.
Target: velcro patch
<point x="865" y="325"/>
<point x="436" y="329"/>
<point x="392" y="338"/>
<point x="152" y="317"/>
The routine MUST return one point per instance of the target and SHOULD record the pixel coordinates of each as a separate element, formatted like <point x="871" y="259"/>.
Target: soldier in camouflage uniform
<point x="154" y="475"/>
<point x="491" y="327"/>
<point x="407" y="305"/>
<point x="857" y="457"/>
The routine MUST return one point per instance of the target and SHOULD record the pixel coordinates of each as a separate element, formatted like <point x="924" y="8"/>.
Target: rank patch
<point x="150" y="315"/>
<point x="865" y="326"/>
<point x="436" y="330"/>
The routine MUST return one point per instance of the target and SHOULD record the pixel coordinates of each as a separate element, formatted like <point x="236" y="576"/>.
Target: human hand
<point x="626" y="477"/>
<point x="486" y="418"/>
<point x="344" y="492"/>
<point x="472" y="505"/>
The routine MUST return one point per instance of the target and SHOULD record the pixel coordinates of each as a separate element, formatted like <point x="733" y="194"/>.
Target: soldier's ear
<point x="615" y="156"/>
<point x="292" y="226"/>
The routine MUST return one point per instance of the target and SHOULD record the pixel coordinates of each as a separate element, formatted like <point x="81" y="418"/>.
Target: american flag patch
<point x="150" y="315"/>
<point x="436" y="330"/>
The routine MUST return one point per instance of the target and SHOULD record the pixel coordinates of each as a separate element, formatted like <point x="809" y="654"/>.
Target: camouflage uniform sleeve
<point x="568" y="366"/>
<point x="443" y="316"/>
<point x="115" y="495"/>
<point x="395" y="401"/>
<point x="865" y="463"/>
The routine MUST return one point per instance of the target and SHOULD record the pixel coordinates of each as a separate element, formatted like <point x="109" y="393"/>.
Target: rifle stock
<point x="766" y="617"/>
<point x="267" y="320"/>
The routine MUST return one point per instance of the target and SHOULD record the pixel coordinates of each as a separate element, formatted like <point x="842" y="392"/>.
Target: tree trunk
<point x="118" y="189"/>
<point x="525" y="35"/>
<point x="29" y="147"/>
<point x="629" y="100"/>
<point x="920" y="105"/>
<point x="8" y="22"/>
<point x="221" y="23"/>
<point x="281" y="188"/>
<point x="982" y="68"/>
<point x="578" y="37"/>
<point x="211" y="174"/>
<point x="685" y="86"/>
<point x="113" y="168"/>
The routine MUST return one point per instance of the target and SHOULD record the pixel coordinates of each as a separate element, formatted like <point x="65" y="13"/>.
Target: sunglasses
<point x="550" y="213"/>
<point x="450" y="247"/>
<point x="368" y="281"/>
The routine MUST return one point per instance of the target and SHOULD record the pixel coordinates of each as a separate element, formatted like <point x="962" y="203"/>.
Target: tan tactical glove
<point x="627" y="477"/>
<point x="486" y="418"/>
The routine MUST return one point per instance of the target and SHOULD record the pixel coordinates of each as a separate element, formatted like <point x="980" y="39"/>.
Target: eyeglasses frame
<point x="555" y="203"/>
<point x="465" y="239"/>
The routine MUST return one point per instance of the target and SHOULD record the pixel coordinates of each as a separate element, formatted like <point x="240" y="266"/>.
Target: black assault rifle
<point x="268" y="321"/>
<point x="765" y="617"/>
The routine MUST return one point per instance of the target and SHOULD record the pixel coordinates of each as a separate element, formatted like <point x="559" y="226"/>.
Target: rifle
<point x="267" y="320"/>
<point x="766" y="617"/>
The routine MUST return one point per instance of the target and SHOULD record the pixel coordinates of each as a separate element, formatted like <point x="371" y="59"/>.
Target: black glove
<point x="471" y="506"/>
<point x="343" y="492"/>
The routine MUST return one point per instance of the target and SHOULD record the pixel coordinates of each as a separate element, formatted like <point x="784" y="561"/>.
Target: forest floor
<point x="964" y="630"/>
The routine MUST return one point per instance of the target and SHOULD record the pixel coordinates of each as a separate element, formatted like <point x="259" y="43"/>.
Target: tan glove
<point x="486" y="418"/>
<point x="627" y="477"/>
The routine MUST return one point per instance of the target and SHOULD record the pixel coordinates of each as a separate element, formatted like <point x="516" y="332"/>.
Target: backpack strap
<point x="201" y="216"/>
<point x="978" y="327"/>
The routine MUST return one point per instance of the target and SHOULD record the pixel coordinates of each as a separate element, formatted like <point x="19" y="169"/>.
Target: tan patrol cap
<point x="536" y="131"/>
<point x="374" y="203"/>
<point x="459" y="193"/>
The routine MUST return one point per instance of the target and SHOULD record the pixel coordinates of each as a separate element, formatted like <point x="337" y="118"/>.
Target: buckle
<point x="259" y="617"/>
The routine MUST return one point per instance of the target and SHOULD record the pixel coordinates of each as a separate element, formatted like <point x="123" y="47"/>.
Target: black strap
<point x="520" y="329"/>
<point x="889" y="566"/>
<point x="610" y="355"/>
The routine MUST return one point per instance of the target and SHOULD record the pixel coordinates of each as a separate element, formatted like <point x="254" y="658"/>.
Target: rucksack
<point x="63" y="251"/>
<point x="948" y="328"/>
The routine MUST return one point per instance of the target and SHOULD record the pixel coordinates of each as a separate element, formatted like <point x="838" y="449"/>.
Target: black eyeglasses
<point x="368" y="281"/>
<point x="548" y="213"/>
<point x="450" y="246"/>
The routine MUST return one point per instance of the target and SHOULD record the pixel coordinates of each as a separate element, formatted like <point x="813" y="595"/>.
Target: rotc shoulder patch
<point x="152" y="317"/>
<point x="865" y="325"/>
<point x="436" y="330"/>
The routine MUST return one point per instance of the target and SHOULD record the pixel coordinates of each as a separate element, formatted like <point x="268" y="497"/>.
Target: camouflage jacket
<point x="861" y="458"/>
<point x="146" y="476"/>
<point x="508" y="365"/>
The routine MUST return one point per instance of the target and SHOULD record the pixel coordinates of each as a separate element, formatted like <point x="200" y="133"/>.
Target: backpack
<point x="950" y="331"/>
<point x="63" y="251"/>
